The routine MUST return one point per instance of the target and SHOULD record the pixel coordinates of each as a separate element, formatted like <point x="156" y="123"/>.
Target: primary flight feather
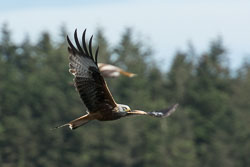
<point x="93" y="89"/>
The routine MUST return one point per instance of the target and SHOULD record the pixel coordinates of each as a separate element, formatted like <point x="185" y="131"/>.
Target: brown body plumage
<point x="93" y="89"/>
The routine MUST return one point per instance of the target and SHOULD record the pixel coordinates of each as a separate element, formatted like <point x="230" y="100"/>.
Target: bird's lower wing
<point x="165" y="112"/>
<point x="160" y="114"/>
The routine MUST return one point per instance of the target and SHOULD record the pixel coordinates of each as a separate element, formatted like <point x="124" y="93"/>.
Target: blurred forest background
<point x="210" y="128"/>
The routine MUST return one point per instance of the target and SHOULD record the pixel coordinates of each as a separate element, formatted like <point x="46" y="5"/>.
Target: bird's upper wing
<point x="88" y="80"/>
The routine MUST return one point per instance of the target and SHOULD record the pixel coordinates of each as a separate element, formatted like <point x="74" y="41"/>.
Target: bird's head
<point x="123" y="108"/>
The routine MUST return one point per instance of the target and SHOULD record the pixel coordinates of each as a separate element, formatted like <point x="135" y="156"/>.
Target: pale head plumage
<point x="123" y="108"/>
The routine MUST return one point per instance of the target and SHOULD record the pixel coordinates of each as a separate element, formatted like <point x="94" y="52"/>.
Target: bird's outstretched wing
<point x="88" y="80"/>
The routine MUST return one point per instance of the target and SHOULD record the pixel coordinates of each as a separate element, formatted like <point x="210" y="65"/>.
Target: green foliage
<point x="210" y="128"/>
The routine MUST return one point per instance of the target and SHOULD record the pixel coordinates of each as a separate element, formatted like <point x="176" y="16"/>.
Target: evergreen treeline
<point x="210" y="128"/>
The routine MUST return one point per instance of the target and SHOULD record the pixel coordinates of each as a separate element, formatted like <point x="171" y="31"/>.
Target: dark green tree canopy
<point x="36" y="93"/>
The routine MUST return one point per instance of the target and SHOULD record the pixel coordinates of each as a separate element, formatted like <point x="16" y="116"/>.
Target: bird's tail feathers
<point x="76" y="123"/>
<point x="128" y="74"/>
<point x="67" y="124"/>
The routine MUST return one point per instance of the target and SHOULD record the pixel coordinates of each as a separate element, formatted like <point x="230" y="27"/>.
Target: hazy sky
<point x="166" y="25"/>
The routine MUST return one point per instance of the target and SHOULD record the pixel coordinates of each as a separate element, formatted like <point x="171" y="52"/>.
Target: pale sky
<point x="165" y="25"/>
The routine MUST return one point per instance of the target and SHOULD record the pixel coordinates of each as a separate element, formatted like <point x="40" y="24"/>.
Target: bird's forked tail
<point x="76" y="122"/>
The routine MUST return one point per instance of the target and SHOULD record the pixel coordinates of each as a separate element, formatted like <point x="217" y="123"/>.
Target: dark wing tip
<point x="71" y="46"/>
<point x="78" y="43"/>
<point x="68" y="39"/>
<point x="96" y="54"/>
<point x="165" y="112"/>
<point x="82" y="49"/>
<point x="170" y="110"/>
<point x="69" y="50"/>
<point x="84" y="43"/>
<point x="90" y="47"/>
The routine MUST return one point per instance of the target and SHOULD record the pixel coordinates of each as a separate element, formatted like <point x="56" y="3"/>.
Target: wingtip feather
<point x="171" y="109"/>
<point x="96" y="55"/>
<point x="90" y="47"/>
<point x="84" y="43"/>
<point x="78" y="43"/>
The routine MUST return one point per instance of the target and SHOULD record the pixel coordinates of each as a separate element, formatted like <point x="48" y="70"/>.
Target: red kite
<point x="93" y="89"/>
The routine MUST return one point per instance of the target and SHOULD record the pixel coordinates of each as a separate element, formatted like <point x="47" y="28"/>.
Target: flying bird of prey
<point x="111" y="71"/>
<point x="93" y="89"/>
